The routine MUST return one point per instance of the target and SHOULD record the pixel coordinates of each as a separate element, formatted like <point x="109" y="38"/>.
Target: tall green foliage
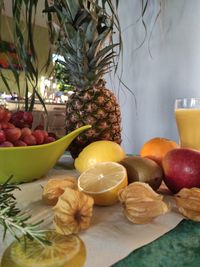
<point x="23" y="35"/>
<point x="62" y="78"/>
<point x="63" y="13"/>
<point x="82" y="32"/>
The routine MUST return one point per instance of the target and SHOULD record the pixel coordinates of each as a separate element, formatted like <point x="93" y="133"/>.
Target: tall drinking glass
<point x="187" y="113"/>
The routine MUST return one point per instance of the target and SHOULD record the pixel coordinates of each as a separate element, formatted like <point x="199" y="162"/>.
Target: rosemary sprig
<point x="14" y="220"/>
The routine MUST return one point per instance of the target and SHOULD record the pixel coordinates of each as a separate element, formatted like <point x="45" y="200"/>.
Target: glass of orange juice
<point x="187" y="113"/>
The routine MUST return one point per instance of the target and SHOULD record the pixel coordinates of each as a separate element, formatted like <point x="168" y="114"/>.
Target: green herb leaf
<point x="13" y="220"/>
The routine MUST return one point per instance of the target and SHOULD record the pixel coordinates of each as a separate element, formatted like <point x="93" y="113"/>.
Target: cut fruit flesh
<point x="103" y="181"/>
<point x="64" y="251"/>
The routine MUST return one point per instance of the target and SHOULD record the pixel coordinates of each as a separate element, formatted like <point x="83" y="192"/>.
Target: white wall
<point x="173" y="70"/>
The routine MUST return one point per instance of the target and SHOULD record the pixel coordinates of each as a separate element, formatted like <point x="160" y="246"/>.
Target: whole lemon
<point x="99" y="151"/>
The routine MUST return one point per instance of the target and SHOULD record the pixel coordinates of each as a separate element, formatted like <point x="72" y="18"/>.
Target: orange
<point x="156" y="148"/>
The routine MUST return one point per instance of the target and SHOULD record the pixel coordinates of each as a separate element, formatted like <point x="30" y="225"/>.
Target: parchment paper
<point x="111" y="236"/>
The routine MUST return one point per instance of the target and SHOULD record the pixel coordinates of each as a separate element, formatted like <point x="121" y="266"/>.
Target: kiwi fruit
<point x="141" y="169"/>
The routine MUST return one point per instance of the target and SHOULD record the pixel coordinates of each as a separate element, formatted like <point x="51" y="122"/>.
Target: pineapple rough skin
<point x="97" y="107"/>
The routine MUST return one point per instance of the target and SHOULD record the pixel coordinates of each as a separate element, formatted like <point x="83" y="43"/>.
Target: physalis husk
<point x="188" y="203"/>
<point x="54" y="188"/>
<point x="141" y="203"/>
<point x="73" y="212"/>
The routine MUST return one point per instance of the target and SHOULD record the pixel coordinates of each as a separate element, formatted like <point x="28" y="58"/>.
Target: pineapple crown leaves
<point x="84" y="40"/>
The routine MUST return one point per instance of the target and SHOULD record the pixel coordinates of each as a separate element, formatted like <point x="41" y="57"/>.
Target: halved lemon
<point x="64" y="251"/>
<point x="103" y="182"/>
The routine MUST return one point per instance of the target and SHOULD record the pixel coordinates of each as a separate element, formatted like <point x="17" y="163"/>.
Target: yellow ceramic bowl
<point x="32" y="162"/>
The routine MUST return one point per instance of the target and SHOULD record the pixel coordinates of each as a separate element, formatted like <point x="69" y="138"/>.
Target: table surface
<point x="179" y="247"/>
<point x="175" y="246"/>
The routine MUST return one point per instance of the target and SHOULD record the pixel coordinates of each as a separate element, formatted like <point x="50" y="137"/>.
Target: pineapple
<point x="96" y="106"/>
<point x="85" y="41"/>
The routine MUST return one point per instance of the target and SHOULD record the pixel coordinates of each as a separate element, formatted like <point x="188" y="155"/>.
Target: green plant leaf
<point x="103" y="52"/>
<point x="5" y="82"/>
<point x="95" y="47"/>
<point x="91" y="32"/>
<point x="32" y="101"/>
<point x="41" y="101"/>
<point x="26" y="95"/>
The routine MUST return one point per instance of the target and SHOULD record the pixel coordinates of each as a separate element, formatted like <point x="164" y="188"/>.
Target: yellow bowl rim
<point x="85" y="127"/>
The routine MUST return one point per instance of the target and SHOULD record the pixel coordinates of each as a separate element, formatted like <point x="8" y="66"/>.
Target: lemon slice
<point x="103" y="182"/>
<point x="65" y="251"/>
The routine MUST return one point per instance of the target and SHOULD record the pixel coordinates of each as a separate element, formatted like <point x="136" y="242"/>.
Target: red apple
<point x="182" y="169"/>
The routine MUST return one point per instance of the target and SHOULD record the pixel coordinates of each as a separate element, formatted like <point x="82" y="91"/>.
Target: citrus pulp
<point x="103" y="182"/>
<point x="64" y="251"/>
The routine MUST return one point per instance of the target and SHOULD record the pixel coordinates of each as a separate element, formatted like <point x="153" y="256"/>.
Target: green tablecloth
<point x="178" y="248"/>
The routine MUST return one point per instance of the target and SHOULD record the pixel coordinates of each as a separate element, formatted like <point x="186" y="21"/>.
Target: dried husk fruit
<point x="188" y="203"/>
<point x="73" y="212"/>
<point x="141" y="203"/>
<point x="54" y="188"/>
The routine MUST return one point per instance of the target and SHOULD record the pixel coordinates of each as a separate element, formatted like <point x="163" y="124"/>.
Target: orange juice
<point x="188" y="123"/>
